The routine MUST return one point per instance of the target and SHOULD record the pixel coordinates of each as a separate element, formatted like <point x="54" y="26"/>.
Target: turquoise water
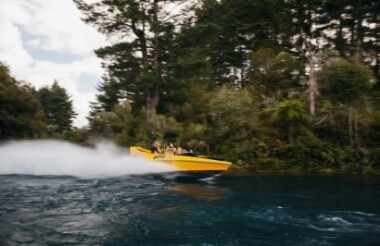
<point x="158" y="210"/>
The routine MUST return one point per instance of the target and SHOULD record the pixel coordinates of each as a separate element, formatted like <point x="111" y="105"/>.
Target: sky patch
<point x="43" y="41"/>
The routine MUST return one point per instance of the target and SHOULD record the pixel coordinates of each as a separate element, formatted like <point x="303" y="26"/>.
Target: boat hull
<point x="185" y="162"/>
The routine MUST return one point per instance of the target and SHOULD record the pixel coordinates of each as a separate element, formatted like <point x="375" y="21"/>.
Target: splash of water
<point x="48" y="157"/>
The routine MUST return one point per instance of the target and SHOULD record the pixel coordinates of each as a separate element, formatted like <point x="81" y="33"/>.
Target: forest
<point x="270" y="85"/>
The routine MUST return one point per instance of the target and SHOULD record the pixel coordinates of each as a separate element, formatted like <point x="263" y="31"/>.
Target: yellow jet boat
<point x="189" y="163"/>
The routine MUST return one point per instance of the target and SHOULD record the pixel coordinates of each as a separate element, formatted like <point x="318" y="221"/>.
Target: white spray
<point x="48" y="157"/>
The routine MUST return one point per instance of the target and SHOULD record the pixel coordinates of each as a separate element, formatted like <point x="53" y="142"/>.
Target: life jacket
<point x="154" y="149"/>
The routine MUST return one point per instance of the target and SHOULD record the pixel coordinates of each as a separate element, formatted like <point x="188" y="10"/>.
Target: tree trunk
<point x="153" y="97"/>
<point x="356" y="127"/>
<point x="155" y="44"/>
<point x="377" y="48"/>
<point x="153" y="93"/>
<point x="143" y="45"/>
<point x="152" y="100"/>
<point x="312" y="85"/>
<point x="350" y="128"/>
<point x="291" y="134"/>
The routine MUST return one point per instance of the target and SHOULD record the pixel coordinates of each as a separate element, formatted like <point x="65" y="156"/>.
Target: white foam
<point x="48" y="157"/>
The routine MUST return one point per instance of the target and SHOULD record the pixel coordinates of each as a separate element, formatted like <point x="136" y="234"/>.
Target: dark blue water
<point x="154" y="210"/>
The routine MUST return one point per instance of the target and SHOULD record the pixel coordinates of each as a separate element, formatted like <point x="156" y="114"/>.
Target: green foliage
<point x="77" y="135"/>
<point x="21" y="115"/>
<point x="291" y="115"/>
<point x="227" y="78"/>
<point x="345" y="82"/>
<point x="291" y="112"/>
<point x="114" y="124"/>
<point x="141" y="69"/>
<point x="275" y="75"/>
<point x="233" y="113"/>
<point x="196" y="107"/>
<point x="347" y="86"/>
<point x="57" y="107"/>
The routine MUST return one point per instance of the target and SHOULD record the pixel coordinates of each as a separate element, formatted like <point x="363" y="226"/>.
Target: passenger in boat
<point x="156" y="148"/>
<point x="170" y="149"/>
<point x="180" y="151"/>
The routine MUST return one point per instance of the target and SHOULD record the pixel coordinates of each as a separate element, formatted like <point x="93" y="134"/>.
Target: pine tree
<point x="57" y="107"/>
<point x="140" y="63"/>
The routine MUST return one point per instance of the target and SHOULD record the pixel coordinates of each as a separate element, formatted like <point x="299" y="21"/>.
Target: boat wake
<point x="48" y="157"/>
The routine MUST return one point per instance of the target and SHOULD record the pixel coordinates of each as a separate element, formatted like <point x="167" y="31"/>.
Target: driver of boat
<point x="156" y="148"/>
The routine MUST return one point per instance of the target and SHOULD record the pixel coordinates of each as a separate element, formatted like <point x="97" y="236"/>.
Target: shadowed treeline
<point x="268" y="85"/>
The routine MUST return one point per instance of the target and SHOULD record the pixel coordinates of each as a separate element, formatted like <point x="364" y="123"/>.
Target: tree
<point x="140" y="62"/>
<point x="304" y="34"/>
<point x="234" y="119"/>
<point x="274" y="75"/>
<point x="21" y="115"/>
<point x="57" y="107"/>
<point x="293" y="115"/>
<point x="355" y="25"/>
<point x="115" y="124"/>
<point x="246" y="25"/>
<point x="349" y="84"/>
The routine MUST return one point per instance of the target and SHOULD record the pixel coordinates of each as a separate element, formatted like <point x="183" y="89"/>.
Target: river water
<point x="58" y="193"/>
<point x="156" y="209"/>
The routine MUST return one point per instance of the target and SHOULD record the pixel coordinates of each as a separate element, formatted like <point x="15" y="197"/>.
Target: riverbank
<point x="252" y="168"/>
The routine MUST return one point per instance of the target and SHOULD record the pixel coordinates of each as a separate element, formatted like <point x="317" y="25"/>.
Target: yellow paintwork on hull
<point x="183" y="162"/>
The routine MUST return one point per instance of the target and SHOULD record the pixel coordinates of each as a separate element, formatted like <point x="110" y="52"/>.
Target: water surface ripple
<point x="155" y="210"/>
